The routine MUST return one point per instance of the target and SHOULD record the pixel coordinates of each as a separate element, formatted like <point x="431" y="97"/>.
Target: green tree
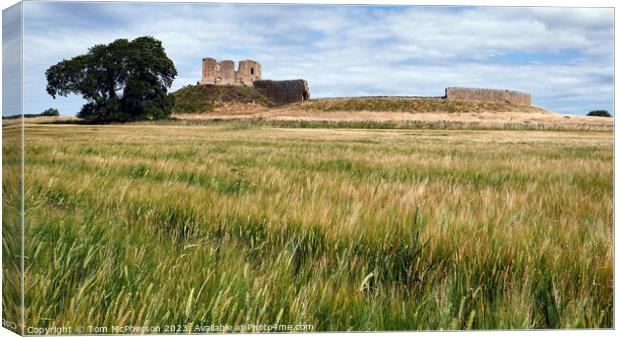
<point x="51" y="112"/>
<point x="121" y="81"/>
<point x="599" y="113"/>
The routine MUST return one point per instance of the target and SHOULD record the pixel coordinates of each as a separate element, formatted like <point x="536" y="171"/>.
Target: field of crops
<point x="341" y="229"/>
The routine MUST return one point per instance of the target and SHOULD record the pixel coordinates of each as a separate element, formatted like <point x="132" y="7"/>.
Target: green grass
<point x="343" y="229"/>
<point x="11" y="228"/>
<point x="410" y="104"/>
<point x="205" y="98"/>
<point x="249" y="122"/>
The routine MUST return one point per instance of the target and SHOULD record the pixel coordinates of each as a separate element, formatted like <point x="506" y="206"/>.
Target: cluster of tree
<point x="599" y="113"/>
<point x="121" y="81"/>
<point x="50" y="112"/>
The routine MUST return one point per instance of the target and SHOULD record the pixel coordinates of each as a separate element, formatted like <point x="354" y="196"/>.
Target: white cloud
<point x="563" y="56"/>
<point x="11" y="65"/>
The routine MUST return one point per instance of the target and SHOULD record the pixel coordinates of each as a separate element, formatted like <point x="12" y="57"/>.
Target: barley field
<point x="337" y="229"/>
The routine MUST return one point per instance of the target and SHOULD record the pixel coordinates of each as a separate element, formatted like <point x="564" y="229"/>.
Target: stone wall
<point x="488" y="95"/>
<point x="223" y="72"/>
<point x="283" y="92"/>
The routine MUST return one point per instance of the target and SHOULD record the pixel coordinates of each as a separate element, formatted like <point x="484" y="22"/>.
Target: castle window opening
<point x="252" y="71"/>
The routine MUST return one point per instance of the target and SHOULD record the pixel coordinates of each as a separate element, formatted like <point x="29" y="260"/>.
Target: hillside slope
<point x="207" y="98"/>
<point x="398" y="113"/>
<point x="193" y="99"/>
<point x="204" y="104"/>
<point x="410" y="104"/>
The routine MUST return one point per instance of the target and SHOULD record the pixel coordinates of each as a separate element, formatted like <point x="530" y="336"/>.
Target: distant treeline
<point x="47" y="113"/>
<point x="24" y="115"/>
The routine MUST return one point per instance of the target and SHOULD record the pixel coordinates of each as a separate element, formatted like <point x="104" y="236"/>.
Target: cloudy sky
<point x="563" y="56"/>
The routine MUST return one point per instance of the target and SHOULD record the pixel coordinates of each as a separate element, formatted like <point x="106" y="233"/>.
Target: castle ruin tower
<point x="226" y="73"/>
<point x="249" y="71"/>
<point x="223" y="72"/>
<point x="209" y="69"/>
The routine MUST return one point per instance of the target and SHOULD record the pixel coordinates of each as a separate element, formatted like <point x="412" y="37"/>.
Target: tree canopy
<point x="121" y="81"/>
<point x="599" y="113"/>
<point x="51" y="112"/>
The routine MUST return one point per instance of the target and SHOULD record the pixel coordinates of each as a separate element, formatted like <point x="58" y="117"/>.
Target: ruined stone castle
<point x="289" y="91"/>
<point x="224" y="73"/>
<point x="249" y="74"/>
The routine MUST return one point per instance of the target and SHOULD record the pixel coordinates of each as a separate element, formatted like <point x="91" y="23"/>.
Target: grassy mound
<point x="205" y="98"/>
<point x="410" y="104"/>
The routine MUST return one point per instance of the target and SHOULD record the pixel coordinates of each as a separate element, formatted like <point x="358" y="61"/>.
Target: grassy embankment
<point x="207" y="98"/>
<point x="205" y="105"/>
<point x="193" y="99"/>
<point x="410" y="104"/>
<point x="343" y="229"/>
